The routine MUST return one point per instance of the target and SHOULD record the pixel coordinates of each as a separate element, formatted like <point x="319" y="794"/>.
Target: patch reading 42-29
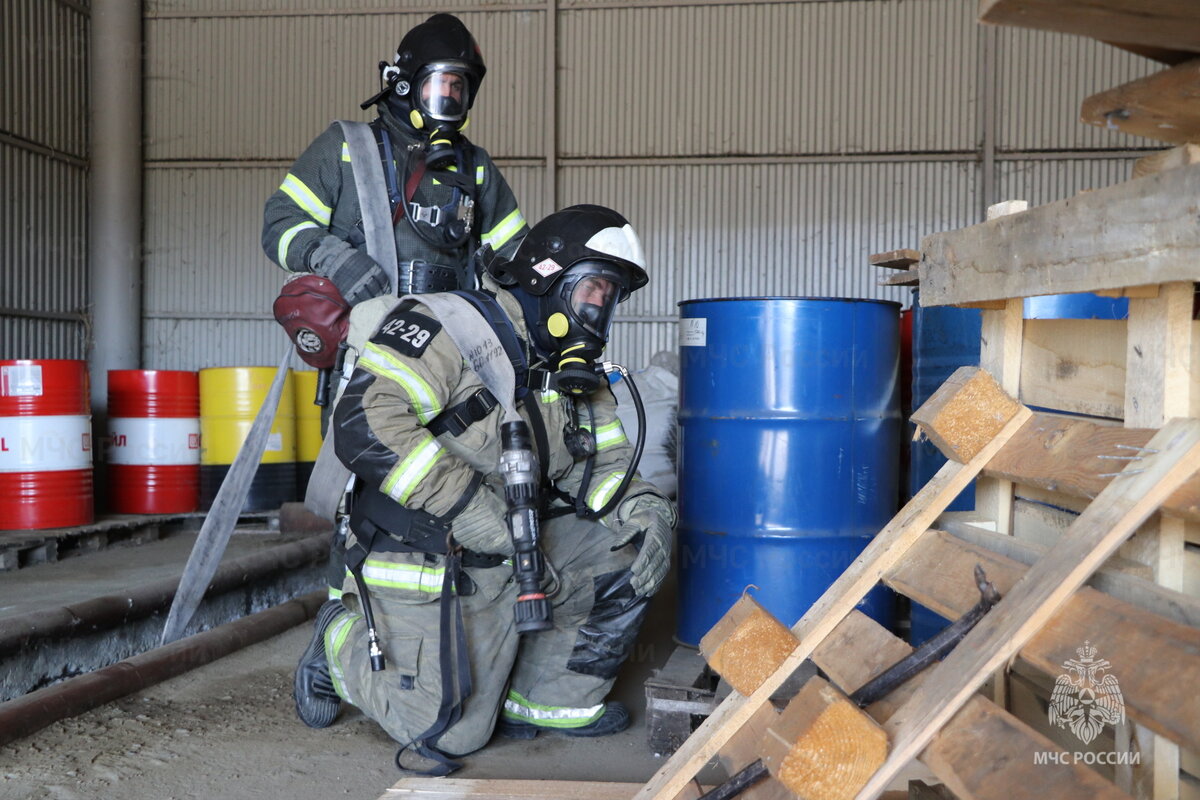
<point x="408" y="333"/>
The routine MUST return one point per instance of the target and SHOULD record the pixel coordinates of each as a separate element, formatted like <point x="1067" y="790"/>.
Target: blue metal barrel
<point x="789" y="430"/>
<point x="1083" y="305"/>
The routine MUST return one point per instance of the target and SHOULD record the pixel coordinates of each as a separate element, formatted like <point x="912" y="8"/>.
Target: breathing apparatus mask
<point x="578" y="313"/>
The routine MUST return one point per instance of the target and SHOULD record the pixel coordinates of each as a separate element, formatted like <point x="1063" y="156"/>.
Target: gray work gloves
<point x="482" y="526"/>
<point x="651" y="517"/>
<point x="356" y="275"/>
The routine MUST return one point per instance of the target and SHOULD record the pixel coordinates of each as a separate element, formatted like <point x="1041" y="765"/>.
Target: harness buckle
<point x="430" y="215"/>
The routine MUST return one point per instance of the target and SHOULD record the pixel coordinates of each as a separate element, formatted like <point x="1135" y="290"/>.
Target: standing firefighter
<point x="444" y="195"/>
<point x="433" y="536"/>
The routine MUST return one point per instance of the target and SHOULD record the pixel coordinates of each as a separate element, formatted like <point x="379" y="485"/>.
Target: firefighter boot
<point x="316" y="701"/>
<point x="614" y="720"/>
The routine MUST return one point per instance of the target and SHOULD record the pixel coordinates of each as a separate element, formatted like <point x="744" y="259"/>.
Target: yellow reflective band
<point x="517" y="707"/>
<point x="609" y="435"/>
<point x="302" y="196"/>
<point x="571" y="360"/>
<point x="335" y="640"/>
<point x="550" y="396"/>
<point x="404" y="477"/>
<point x="335" y="594"/>
<point x="345" y="152"/>
<point x="403" y="576"/>
<point x="479" y="176"/>
<point x="602" y="493"/>
<point x="285" y="241"/>
<point x="420" y="394"/>
<point x="508" y="228"/>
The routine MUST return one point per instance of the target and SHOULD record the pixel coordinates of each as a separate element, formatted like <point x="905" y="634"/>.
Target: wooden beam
<point x="1172" y="24"/>
<point x="910" y="277"/>
<point x="823" y="747"/>
<point x="1164" y="106"/>
<point x="1149" y="654"/>
<point x="965" y="413"/>
<point x="1137" y="232"/>
<point x="747" y="645"/>
<point x="1108" y="521"/>
<point x="860" y="577"/>
<point x="1004" y="769"/>
<point x="1181" y="156"/>
<point x="895" y="259"/>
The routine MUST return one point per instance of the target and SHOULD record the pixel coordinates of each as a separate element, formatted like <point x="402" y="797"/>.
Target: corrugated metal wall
<point x="43" y="151"/>
<point x="759" y="148"/>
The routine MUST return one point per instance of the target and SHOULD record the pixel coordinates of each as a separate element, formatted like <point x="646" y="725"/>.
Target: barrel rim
<point x="683" y="303"/>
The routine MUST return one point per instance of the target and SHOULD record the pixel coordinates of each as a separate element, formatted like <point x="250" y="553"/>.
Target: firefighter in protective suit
<point x="425" y="451"/>
<point x="446" y="195"/>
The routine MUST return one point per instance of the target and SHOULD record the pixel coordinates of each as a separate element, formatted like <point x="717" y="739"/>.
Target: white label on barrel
<point x="275" y="442"/>
<point x="45" y="444"/>
<point x="21" y="380"/>
<point x="693" y="332"/>
<point x="153" y="441"/>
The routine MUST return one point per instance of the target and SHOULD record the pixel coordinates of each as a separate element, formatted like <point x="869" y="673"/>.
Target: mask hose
<point x="609" y="368"/>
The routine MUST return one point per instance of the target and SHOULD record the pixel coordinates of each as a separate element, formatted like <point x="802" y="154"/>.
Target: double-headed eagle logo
<point x="1085" y="699"/>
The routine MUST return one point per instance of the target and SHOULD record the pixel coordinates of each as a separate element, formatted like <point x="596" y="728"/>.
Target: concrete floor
<point x="228" y="729"/>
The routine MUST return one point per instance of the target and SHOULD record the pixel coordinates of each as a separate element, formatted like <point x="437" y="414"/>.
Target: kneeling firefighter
<point x="486" y="509"/>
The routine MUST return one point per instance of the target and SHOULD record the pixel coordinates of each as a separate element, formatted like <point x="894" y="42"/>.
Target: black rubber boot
<point x="317" y="703"/>
<point x="614" y="720"/>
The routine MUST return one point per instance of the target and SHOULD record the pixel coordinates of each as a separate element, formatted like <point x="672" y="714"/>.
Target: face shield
<point x="590" y="293"/>
<point x="443" y="92"/>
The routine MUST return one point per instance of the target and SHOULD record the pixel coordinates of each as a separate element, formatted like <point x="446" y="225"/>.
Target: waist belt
<point x="422" y="277"/>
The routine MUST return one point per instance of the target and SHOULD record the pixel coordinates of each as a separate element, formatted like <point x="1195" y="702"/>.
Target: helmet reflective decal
<point x="547" y="267"/>
<point x="619" y="242"/>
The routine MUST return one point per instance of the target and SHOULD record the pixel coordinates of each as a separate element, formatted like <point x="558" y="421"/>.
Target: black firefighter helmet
<point x="569" y="273"/>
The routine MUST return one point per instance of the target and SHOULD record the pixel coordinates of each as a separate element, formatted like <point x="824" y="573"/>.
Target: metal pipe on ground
<point x="100" y="613"/>
<point x="36" y="710"/>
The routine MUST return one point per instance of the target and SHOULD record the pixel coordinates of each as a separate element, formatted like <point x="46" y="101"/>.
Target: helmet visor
<point x="592" y="302"/>
<point x="444" y="93"/>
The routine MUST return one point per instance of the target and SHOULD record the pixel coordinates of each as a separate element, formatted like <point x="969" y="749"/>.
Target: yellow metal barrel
<point x="230" y="398"/>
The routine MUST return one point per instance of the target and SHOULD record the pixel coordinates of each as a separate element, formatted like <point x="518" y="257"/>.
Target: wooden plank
<point x="1167" y="603"/>
<point x="1109" y="520"/>
<point x="1043" y="525"/>
<point x="1136" y="232"/>
<point x="1130" y="291"/>
<point x="850" y="652"/>
<point x="1171" y="24"/>
<point x="1075" y="365"/>
<point x="1163" y="160"/>
<point x="502" y="789"/>
<point x="1164" y="106"/>
<point x="965" y="413"/>
<point x="895" y="259"/>
<point x="823" y="747"/>
<point x="910" y="277"/>
<point x="1151" y="656"/>
<point x="824" y="615"/>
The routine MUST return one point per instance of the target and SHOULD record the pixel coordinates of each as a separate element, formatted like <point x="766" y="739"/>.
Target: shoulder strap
<point x="372" y="196"/>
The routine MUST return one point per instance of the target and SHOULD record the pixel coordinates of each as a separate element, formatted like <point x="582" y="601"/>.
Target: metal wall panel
<point x="21" y="337"/>
<point x="1048" y="181"/>
<point x="43" y="245"/>
<point x="770" y="230"/>
<point x="1042" y="80"/>
<point x="238" y="88"/>
<point x="44" y="58"/>
<point x="200" y="343"/>
<point x="199" y="8"/>
<point x="843" y="77"/>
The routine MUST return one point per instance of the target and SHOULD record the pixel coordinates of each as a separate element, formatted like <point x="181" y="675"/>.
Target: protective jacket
<point x="313" y="222"/>
<point x="408" y="374"/>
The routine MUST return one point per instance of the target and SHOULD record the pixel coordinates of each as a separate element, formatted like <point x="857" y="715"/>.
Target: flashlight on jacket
<point x="519" y="470"/>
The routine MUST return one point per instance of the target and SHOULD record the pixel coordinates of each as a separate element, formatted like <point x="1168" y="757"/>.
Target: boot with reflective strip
<point x="521" y="719"/>
<point x="317" y="702"/>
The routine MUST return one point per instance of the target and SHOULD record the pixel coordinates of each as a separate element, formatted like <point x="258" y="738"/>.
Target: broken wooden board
<point x="1168" y="24"/>
<point x="823" y="747"/>
<point x="1137" y="232"/>
<point x="860" y="577"/>
<point x="965" y="413"/>
<point x="1045" y="588"/>
<point x="1164" y="106"/>
<point x="1150" y="655"/>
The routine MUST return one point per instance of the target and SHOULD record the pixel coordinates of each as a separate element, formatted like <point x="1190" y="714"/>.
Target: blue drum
<point x="789" y="435"/>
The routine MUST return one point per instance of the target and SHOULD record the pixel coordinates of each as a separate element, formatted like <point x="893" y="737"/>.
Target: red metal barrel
<point x="154" y="441"/>
<point x="45" y="444"/>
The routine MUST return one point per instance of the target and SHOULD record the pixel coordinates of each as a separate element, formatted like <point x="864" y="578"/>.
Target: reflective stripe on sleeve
<point x="404" y="477"/>
<point x="345" y="152"/>
<point x="420" y="394"/>
<point x="302" y="196"/>
<point x="479" y="176"/>
<point x="609" y="435"/>
<point x="285" y="241"/>
<point x="403" y="576"/>
<point x="602" y="493"/>
<point x="517" y="707"/>
<point x="508" y="228"/>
